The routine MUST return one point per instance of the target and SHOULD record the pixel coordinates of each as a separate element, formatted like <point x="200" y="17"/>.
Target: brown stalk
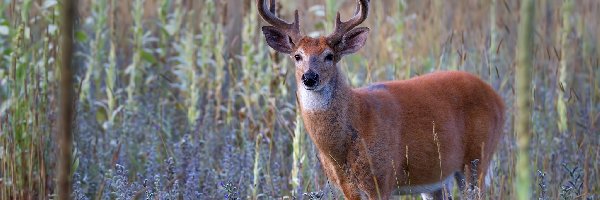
<point x="66" y="111"/>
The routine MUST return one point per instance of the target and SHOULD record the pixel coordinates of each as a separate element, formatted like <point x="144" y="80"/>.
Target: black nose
<point x="310" y="79"/>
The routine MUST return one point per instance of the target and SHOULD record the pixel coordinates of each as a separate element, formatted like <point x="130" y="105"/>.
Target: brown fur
<point x="468" y="117"/>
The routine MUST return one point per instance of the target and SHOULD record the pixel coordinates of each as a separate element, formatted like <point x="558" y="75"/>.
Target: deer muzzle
<point x="310" y="79"/>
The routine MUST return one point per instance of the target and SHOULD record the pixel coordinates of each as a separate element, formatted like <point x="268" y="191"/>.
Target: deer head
<point x="315" y="58"/>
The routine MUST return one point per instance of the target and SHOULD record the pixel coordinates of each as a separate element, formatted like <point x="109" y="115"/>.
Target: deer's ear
<point x="278" y="40"/>
<point x="352" y="41"/>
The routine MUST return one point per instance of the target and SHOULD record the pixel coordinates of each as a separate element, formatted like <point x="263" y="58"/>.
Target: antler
<point x="362" y="11"/>
<point x="291" y="29"/>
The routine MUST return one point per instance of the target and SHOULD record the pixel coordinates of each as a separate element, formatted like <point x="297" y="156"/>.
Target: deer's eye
<point x="329" y="57"/>
<point x="298" y="57"/>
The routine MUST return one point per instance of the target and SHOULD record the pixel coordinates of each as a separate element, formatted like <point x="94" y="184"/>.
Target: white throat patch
<point x="315" y="100"/>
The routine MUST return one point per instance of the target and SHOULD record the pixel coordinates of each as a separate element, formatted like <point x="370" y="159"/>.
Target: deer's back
<point x="464" y="112"/>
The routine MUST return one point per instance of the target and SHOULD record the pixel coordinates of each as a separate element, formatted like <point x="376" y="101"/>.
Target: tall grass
<point x="522" y="184"/>
<point x="566" y="55"/>
<point x="170" y="107"/>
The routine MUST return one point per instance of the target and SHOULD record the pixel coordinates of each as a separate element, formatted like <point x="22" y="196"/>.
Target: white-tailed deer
<point x="410" y="136"/>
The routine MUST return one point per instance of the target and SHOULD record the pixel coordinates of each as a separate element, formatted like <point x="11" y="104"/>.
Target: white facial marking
<point x="299" y="52"/>
<point x="315" y="100"/>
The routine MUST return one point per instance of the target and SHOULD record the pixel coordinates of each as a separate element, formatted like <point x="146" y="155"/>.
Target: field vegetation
<point x="183" y="99"/>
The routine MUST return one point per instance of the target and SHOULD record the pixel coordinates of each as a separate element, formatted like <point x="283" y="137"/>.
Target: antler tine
<point x="360" y="15"/>
<point x="272" y="6"/>
<point x="291" y="29"/>
<point x="357" y="10"/>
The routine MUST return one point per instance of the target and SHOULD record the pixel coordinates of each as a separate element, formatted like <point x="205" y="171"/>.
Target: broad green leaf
<point x="149" y="57"/>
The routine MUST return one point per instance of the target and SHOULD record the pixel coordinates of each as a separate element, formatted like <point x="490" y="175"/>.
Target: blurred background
<point x="183" y="99"/>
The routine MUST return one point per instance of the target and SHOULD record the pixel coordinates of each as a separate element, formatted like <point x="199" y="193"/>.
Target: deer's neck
<point x="327" y="117"/>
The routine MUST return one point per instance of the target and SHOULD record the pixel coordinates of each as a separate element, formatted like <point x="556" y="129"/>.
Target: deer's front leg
<point x="336" y="173"/>
<point x="351" y="191"/>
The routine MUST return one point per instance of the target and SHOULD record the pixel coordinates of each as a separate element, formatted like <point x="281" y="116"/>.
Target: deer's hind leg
<point x="437" y="195"/>
<point x="444" y="193"/>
